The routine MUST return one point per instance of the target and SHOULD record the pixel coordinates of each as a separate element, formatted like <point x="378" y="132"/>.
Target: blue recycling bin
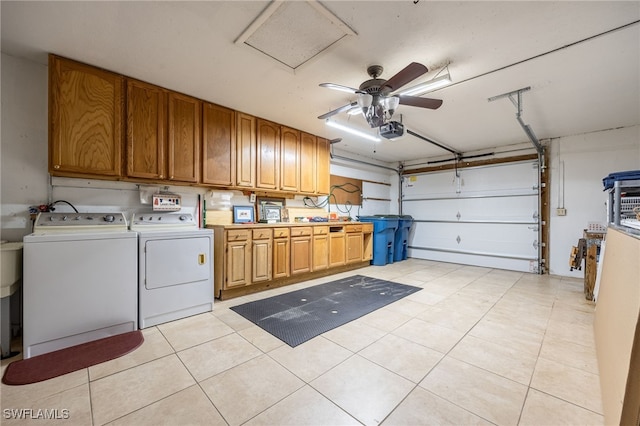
<point x="384" y="229"/>
<point x="401" y="239"/>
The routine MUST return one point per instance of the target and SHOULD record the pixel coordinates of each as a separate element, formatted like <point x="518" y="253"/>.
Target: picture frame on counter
<point x="272" y="214"/>
<point x="269" y="210"/>
<point x="243" y="214"/>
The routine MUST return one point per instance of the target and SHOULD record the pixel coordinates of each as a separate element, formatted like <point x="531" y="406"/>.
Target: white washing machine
<point x="79" y="280"/>
<point x="175" y="267"/>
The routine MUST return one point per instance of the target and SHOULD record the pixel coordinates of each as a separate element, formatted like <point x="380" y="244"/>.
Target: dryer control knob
<point x="109" y="218"/>
<point x="183" y="217"/>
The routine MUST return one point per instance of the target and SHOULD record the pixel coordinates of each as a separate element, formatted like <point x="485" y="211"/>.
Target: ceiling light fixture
<point x="428" y="86"/>
<point x="353" y="131"/>
<point x="377" y="109"/>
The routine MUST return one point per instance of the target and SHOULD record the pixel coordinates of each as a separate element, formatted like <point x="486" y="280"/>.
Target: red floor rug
<point x="68" y="360"/>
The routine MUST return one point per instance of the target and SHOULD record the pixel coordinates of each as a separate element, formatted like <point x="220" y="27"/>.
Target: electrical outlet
<point x="252" y="198"/>
<point x="561" y="211"/>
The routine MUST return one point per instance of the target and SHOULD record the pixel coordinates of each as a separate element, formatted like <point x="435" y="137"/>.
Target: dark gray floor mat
<point x="300" y="315"/>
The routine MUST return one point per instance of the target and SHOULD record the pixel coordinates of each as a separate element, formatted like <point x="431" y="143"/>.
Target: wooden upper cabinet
<point x="289" y="159"/>
<point x="268" y="158"/>
<point x="85" y="119"/>
<point x="308" y="161"/>
<point x="146" y="130"/>
<point x="245" y="150"/>
<point x="218" y="145"/>
<point x="323" y="164"/>
<point x="184" y="138"/>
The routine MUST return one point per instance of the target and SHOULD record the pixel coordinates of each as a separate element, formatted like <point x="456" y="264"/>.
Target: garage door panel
<point x="487" y="180"/>
<point x="487" y="216"/>
<point x="504" y="209"/>
<point x="485" y="238"/>
<point x="521" y="265"/>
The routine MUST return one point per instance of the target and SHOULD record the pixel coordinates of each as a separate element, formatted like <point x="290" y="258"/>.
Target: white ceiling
<point x="581" y="60"/>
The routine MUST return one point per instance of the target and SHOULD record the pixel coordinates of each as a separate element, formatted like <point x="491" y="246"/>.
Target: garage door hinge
<point x="458" y="239"/>
<point x="533" y="228"/>
<point x="458" y="215"/>
<point x="536" y="244"/>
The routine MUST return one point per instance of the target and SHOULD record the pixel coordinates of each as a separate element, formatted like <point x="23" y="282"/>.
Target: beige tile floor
<point x="475" y="346"/>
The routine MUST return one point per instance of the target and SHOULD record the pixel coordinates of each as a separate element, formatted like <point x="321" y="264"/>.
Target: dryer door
<point x="177" y="261"/>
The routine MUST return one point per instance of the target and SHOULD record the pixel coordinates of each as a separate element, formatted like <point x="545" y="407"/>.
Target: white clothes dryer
<point x="175" y="267"/>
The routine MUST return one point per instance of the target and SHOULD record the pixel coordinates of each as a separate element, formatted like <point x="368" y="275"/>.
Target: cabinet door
<point x="184" y="138"/>
<point x="85" y="119"/>
<point x="245" y="150"/>
<point x="146" y="130"/>
<point x="320" y="252"/>
<point x="218" y="145"/>
<point x="261" y="256"/>
<point x="308" y="162"/>
<point x="300" y="255"/>
<point x="336" y="249"/>
<point x="281" y="257"/>
<point x="268" y="146"/>
<point x="323" y="166"/>
<point x="238" y="271"/>
<point x="289" y="159"/>
<point x="354" y="248"/>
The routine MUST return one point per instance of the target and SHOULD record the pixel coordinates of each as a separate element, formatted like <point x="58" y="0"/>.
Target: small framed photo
<point x="243" y="214"/>
<point x="272" y="213"/>
<point x="266" y="205"/>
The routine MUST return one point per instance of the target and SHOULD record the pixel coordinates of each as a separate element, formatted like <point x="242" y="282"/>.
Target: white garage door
<point x="485" y="216"/>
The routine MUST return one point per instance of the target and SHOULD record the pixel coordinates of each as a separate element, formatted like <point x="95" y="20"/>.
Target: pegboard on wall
<point x="346" y="197"/>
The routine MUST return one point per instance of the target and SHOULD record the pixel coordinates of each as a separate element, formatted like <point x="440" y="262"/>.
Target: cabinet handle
<point x="57" y="166"/>
<point x="202" y="259"/>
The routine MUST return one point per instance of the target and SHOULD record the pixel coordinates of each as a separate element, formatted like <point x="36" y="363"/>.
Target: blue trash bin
<point x="384" y="229"/>
<point x="401" y="239"/>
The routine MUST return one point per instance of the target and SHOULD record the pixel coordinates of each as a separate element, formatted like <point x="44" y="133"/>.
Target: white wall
<point x="378" y="182"/>
<point x="586" y="159"/>
<point x="23" y="144"/>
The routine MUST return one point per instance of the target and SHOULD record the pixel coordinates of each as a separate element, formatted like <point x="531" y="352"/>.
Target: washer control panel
<point x="78" y="222"/>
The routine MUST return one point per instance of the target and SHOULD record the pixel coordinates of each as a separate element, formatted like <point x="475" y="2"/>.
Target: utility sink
<point x="11" y="267"/>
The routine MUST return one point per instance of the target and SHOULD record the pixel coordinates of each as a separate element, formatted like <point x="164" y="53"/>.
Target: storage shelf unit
<point x="623" y="198"/>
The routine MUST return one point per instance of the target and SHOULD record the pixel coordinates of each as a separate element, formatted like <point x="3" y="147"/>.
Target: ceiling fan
<point x="375" y="98"/>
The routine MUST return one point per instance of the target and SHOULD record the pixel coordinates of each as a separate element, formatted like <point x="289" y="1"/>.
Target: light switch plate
<point x="561" y="211"/>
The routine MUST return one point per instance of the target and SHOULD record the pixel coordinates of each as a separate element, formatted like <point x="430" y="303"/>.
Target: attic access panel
<point x="292" y="33"/>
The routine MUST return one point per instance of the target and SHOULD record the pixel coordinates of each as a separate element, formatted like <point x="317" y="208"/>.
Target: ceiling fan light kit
<point x="374" y="96"/>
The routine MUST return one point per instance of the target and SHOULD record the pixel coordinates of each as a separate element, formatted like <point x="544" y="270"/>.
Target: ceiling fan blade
<point x="338" y="110"/>
<point x="339" y="87"/>
<point x="409" y="73"/>
<point x="420" y="102"/>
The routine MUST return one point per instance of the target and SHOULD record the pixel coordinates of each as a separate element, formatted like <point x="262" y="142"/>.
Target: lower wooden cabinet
<point x="320" y="248"/>
<point x="281" y="252"/>
<point x="238" y="255"/>
<point x="262" y="255"/>
<point x="353" y="243"/>
<point x="254" y="257"/>
<point x="367" y="241"/>
<point x="301" y="250"/>
<point x="336" y="247"/>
